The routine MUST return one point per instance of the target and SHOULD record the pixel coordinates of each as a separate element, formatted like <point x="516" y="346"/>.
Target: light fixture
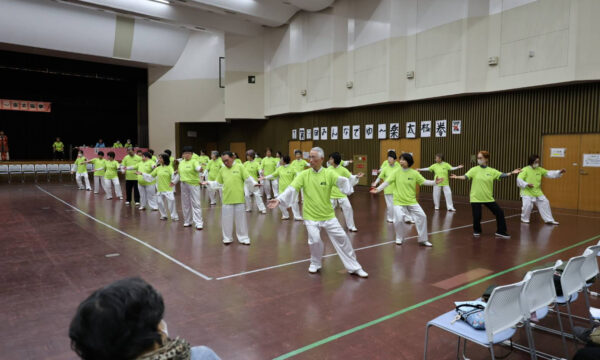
<point x="163" y="1"/>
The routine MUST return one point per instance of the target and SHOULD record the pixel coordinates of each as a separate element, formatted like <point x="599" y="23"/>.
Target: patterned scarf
<point x="174" y="349"/>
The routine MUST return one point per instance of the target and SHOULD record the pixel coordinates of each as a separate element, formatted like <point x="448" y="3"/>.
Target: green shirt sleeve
<point x="542" y="170"/>
<point x="522" y="175"/>
<point x="420" y="178"/>
<point x="244" y="172"/>
<point x="497" y="174"/>
<point x="298" y="182"/>
<point x="471" y="173"/>
<point x="154" y="172"/>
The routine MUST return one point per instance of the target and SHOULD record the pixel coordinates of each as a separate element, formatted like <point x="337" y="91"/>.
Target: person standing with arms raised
<point x="482" y="193"/>
<point x="131" y="183"/>
<point x="58" y="149"/>
<point x="440" y="169"/>
<point x="318" y="212"/>
<point x="269" y="164"/>
<point x="253" y="167"/>
<point x="337" y="197"/>
<point x="189" y="173"/>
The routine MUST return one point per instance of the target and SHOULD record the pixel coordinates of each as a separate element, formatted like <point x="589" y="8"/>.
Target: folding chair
<point x="27" y="169"/>
<point x="589" y="269"/>
<point x="503" y="312"/>
<point x="41" y="169"/>
<point x="53" y="169"/>
<point x="64" y="169"/>
<point x="4" y="171"/>
<point x="14" y="169"/>
<point x="571" y="282"/>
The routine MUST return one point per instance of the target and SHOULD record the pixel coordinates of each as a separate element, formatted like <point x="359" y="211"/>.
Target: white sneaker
<point x="285" y="218"/>
<point x="409" y="221"/>
<point x="398" y="241"/>
<point x="227" y="242"/>
<point x="525" y="221"/>
<point x="213" y="203"/>
<point x="263" y="212"/>
<point x="299" y="219"/>
<point x="96" y="192"/>
<point x="390" y="221"/>
<point x="313" y="268"/>
<point x="109" y="198"/>
<point x="361" y="273"/>
<point x="120" y="198"/>
<point x="141" y="208"/>
<point x="437" y="208"/>
<point x="163" y="218"/>
<point x="137" y="204"/>
<point x="199" y="227"/>
<point x="249" y="210"/>
<point x="156" y="209"/>
<point x="127" y="202"/>
<point x="187" y="225"/>
<point x="553" y="222"/>
<point x="175" y="219"/>
<point x="503" y="236"/>
<point x="244" y="242"/>
<point x="353" y="229"/>
<point x="89" y="189"/>
<point x="453" y="209"/>
<point x="476" y="234"/>
<point x="426" y="243"/>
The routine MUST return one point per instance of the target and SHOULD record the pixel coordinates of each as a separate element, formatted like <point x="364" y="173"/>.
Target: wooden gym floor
<point x="58" y="244"/>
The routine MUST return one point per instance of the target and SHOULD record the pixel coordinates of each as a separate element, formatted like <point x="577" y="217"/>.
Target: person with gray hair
<point x="318" y="212"/>
<point x="254" y="168"/>
<point x="212" y="170"/>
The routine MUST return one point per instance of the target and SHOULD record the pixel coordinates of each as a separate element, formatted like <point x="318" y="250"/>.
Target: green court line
<point x="425" y="302"/>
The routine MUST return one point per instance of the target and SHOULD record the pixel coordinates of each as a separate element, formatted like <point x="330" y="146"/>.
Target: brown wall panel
<point x="509" y="124"/>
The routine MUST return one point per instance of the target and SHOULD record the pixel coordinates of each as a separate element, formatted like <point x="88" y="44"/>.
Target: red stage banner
<point x="91" y="153"/>
<point x="22" y="105"/>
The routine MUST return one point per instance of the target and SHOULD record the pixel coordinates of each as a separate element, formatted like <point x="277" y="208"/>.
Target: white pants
<point x="417" y="214"/>
<point x="148" y="196"/>
<point x="231" y="213"/>
<point x="190" y="204"/>
<point x="295" y="211"/>
<point x="248" y="192"/>
<point x="543" y="206"/>
<point x="389" y="203"/>
<point x="79" y="176"/>
<point x="344" y="203"/>
<point x="338" y="238"/>
<point x="212" y="194"/>
<point x="98" y="182"/>
<point x="267" y="186"/>
<point x="168" y="198"/>
<point x="275" y="184"/>
<point x="437" y="191"/>
<point x="108" y="183"/>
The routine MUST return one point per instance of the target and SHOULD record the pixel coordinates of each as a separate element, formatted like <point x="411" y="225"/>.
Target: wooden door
<point x="412" y="146"/>
<point x="589" y="175"/>
<point x="385" y="146"/>
<point x="293" y="146"/>
<point x="563" y="192"/>
<point x="239" y="148"/>
<point x="305" y="146"/>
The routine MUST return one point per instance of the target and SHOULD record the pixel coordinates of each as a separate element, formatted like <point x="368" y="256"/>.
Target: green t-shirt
<point x="117" y="145"/>
<point x="237" y="161"/>
<point x="532" y="176"/>
<point x="128" y="145"/>
<point x="269" y="164"/>
<point x="81" y="166"/>
<point x="203" y="160"/>
<point x="299" y="165"/>
<point x="482" y="187"/>
<point x="130" y="161"/>
<point x="233" y="183"/>
<point x="384" y="164"/>
<point x="145" y="167"/>
<point x="187" y="172"/>
<point x="213" y="169"/>
<point x="341" y="171"/>
<point x="99" y="164"/>
<point x="286" y="175"/>
<point x="111" y="168"/>
<point x="252" y="167"/>
<point x="440" y="170"/>
<point x="317" y="193"/>
<point x="163" y="175"/>
<point x="58" y="146"/>
<point x="385" y="174"/>
<point x="404" y="182"/>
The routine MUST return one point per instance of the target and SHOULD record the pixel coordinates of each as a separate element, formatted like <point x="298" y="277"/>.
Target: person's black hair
<point x="392" y="154"/>
<point x="235" y="155"/>
<point x="268" y="149"/>
<point x="409" y="159"/>
<point x="440" y="155"/>
<point x="147" y="154"/>
<point x="278" y="153"/>
<point x="101" y="153"/>
<point x="139" y="151"/>
<point x="297" y="152"/>
<point x="251" y="153"/>
<point x="111" y="154"/>
<point x="151" y="152"/>
<point x="532" y="159"/>
<point x="228" y="153"/>
<point x="168" y="152"/>
<point x="337" y="158"/>
<point x="119" y="321"/>
<point x="286" y="159"/>
<point x="187" y="149"/>
<point x="166" y="159"/>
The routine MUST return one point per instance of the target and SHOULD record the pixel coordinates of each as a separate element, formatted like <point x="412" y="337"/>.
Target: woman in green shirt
<point x="253" y="167"/>
<point x="212" y="170"/>
<point x="284" y="176"/>
<point x="147" y="188"/>
<point x="530" y="181"/>
<point x="268" y="166"/>
<point x="440" y="170"/>
<point x="166" y="179"/>
<point x="80" y="170"/>
<point x="111" y="176"/>
<point x="189" y="171"/>
<point x="98" y="175"/>
<point x="482" y="193"/>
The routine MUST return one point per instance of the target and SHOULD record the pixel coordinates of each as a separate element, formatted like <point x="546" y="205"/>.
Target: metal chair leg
<point x="530" y="340"/>
<point x="492" y="351"/>
<point x="426" y="341"/>
<point x="562" y="332"/>
<point x="570" y="314"/>
<point x="587" y="306"/>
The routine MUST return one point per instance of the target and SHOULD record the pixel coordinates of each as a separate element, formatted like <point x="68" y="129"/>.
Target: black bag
<point x="488" y="292"/>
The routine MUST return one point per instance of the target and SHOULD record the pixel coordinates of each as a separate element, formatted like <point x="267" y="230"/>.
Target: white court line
<point x="357" y="249"/>
<point x="169" y="257"/>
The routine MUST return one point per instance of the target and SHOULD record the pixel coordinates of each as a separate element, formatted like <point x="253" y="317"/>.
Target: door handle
<point x="582" y="172"/>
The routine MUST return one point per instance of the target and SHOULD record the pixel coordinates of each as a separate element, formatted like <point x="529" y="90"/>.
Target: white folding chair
<point x="4" y="171"/>
<point x="41" y="169"/>
<point x="53" y="169"/>
<point x="571" y="282"/>
<point x="13" y="169"/>
<point x="64" y="169"/>
<point x="502" y="314"/>
<point x="27" y="169"/>
<point x="589" y="270"/>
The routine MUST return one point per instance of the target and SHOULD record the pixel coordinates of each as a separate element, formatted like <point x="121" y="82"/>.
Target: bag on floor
<point x="471" y="313"/>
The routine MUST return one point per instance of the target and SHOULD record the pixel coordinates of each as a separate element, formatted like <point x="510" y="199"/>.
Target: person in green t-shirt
<point x="404" y="182"/>
<point x="236" y="159"/>
<point x="189" y="171"/>
<point x="530" y="182"/>
<point x="80" y="170"/>
<point x="233" y="179"/>
<point x="98" y="175"/>
<point x="440" y="170"/>
<point x="147" y="188"/>
<point x="111" y="176"/>
<point x="337" y="197"/>
<point x="388" y="192"/>
<point x="212" y="170"/>
<point x="154" y="159"/>
<point x="117" y="145"/>
<point x="482" y="193"/>
<point x="253" y="168"/>
<point x="58" y="149"/>
<point x="128" y="144"/>
<point x="268" y="165"/>
<point x="131" y="183"/>
<point x="318" y="213"/>
<point x="285" y="175"/>
<point x="166" y="178"/>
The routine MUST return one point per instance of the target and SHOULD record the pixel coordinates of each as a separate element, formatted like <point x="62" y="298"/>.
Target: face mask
<point x="480" y="161"/>
<point x="165" y="329"/>
<point x="535" y="165"/>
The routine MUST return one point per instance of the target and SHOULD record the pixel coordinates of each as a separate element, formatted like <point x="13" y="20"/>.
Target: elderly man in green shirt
<point x="318" y="183"/>
<point x="253" y="167"/>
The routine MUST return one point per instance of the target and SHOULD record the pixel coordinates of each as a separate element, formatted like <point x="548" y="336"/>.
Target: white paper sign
<point x="294" y="134"/>
<point x="301" y="134"/>
<point x="591" y="160"/>
<point x="308" y="134"/>
<point x="411" y="130"/>
<point x="316" y="133"/>
<point x="394" y="131"/>
<point x="456" y="127"/>
<point x="369" y="131"/>
<point x="558" y="152"/>
<point x="381" y="131"/>
<point x="306" y="154"/>
<point x="440" y="128"/>
<point x="346" y="132"/>
<point x="324" y="133"/>
<point x="426" y="128"/>
<point x="355" y="132"/>
<point x="334" y="133"/>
